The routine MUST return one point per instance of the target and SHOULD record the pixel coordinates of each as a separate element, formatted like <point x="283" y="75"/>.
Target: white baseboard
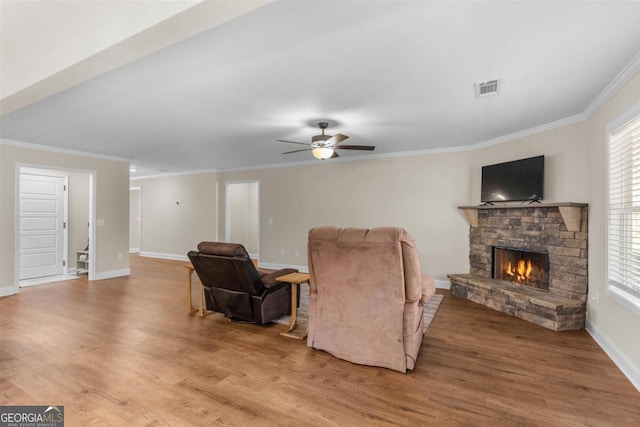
<point x="274" y="266"/>
<point x="443" y="284"/>
<point x="11" y="290"/>
<point x="113" y="273"/>
<point x="46" y="280"/>
<point x="72" y="271"/>
<point x="628" y="368"/>
<point x="134" y="250"/>
<point x="164" y="256"/>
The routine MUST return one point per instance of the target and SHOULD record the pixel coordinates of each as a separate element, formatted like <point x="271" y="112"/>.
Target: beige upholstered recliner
<point x="367" y="294"/>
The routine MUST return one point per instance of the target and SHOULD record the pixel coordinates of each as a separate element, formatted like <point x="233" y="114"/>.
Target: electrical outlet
<point x="297" y="253"/>
<point x="282" y="252"/>
<point x="120" y="256"/>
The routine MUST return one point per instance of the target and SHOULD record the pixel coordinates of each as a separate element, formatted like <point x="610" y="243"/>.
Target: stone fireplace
<point x="529" y="262"/>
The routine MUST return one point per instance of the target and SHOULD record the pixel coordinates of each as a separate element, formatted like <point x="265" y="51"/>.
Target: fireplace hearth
<point x="529" y="261"/>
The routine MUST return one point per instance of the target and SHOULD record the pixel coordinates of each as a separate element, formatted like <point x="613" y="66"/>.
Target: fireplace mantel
<point x="570" y="211"/>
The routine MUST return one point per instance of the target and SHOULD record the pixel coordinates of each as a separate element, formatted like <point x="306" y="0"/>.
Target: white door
<point x="41" y="225"/>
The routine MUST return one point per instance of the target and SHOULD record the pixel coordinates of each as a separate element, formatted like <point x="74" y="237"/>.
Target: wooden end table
<point x="193" y="309"/>
<point x="294" y="279"/>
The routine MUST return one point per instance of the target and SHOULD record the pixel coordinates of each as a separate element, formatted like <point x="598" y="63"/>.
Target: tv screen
<point x="519" y="180"/>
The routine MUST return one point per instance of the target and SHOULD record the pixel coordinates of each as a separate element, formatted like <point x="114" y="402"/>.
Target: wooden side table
<point x="294" y="279"/>
<point x="193" y="309"/>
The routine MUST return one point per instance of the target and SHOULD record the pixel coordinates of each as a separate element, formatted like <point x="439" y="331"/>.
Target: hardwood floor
<point x="123" y="352"/>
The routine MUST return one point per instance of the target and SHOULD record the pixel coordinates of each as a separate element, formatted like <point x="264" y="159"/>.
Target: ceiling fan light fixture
<point x="322" y="153"/>
<point x="325" y="147"/>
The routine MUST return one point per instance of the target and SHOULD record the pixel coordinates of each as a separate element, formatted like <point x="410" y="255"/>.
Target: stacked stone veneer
<point x="540" y="229"/>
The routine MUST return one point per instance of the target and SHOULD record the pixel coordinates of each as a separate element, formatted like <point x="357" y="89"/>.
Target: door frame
<point x="139" y="190"/>
<point x="92" y="214"/>
<point x="227" y="210"/>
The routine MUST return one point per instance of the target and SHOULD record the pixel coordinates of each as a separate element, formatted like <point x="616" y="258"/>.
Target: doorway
<point x="242" y="215"/>
<point x="53" y="211"/>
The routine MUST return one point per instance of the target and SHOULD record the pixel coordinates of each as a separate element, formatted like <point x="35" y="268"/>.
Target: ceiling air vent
<point x="488" y="88"/>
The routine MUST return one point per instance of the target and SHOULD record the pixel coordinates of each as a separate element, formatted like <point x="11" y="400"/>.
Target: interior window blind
<point x="624" y="208"/>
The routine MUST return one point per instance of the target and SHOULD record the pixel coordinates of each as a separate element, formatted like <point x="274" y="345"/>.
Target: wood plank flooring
<point x="123" y="352"/>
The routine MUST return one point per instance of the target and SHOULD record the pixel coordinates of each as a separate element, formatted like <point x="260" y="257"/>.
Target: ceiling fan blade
<point x="297" y="151"/>
<point x="356" y="147"/>
<point x="292" y="142"/>
<point x="335" y="139"/>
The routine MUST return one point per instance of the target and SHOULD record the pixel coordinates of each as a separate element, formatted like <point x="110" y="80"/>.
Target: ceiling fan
<point x="324" y="146"/>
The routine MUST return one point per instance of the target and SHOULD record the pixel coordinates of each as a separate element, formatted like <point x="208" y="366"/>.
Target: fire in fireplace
<point x="522" y="267"/>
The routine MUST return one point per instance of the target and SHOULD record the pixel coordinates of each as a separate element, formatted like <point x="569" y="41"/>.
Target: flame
<point x="522" y="272"/>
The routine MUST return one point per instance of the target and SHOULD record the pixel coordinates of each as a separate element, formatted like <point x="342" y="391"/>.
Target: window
<point x="623" y="208"/>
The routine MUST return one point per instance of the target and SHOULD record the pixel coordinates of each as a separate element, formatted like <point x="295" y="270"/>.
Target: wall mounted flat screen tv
<point x="519" y="180"/>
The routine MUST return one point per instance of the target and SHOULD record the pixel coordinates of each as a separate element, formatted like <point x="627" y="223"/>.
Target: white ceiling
<point x="395" y="74"/>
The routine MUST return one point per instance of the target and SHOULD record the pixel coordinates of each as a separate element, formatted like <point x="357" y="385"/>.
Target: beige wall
<point x="419" y="193"/>
<point x="78" y="214"/>
<point x="566" y="156"/>
<point x="112" y="207"/>
<point x="170" y="229"/>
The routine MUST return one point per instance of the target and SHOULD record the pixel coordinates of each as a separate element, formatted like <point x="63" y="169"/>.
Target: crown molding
<point x="430" y="151"/>
<point x="623" y="77"/>
<point x="530" y="132"/>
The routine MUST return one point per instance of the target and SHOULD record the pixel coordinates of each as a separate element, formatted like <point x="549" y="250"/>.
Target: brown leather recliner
<point x="233" y="286"/>
<point x="367" y="294"/>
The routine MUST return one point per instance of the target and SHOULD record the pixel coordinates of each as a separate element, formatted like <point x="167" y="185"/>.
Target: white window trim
<point x="626" y="299"/>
